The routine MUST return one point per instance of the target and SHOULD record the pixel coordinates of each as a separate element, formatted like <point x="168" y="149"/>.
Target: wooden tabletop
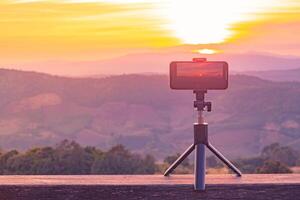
<point x="149" y="179"/>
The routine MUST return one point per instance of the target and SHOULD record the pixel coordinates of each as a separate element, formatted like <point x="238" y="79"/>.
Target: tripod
<point x="200" y="142"/>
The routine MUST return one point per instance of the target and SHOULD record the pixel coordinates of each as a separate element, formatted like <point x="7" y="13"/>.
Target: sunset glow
<point x="87" y="30"/>
<point x="203" y="22"/>
<point x="206" y="51"/>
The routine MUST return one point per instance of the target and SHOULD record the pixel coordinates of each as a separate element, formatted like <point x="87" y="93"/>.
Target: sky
<point x="43" y="31"/>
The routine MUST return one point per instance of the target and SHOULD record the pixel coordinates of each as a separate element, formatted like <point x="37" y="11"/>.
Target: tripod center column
<point x="200" y="141"/>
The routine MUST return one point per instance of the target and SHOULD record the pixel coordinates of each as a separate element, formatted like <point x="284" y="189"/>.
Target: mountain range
<point x="157" y="63"/>
<point x="141" y="112"/>
<point x="277" y="75"/>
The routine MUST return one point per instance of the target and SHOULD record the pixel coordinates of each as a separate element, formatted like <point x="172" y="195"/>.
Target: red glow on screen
<point x="200" y="70"/>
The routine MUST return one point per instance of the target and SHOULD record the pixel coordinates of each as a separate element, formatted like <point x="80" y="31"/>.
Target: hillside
<point x="142" y="113"/>
<point x="277" y="75"/>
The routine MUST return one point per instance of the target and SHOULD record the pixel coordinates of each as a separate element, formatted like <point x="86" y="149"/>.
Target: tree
<point x="212" y="162"/>
<point x="34" y="161"/>
<point x="171" y="159"/>
<point x="119" y="160"/>
<point x="283" y="154"/>
<point x="68" y="157"/>
<point x="249" y="165"/>
<point x="5" y="158"/>
<point x="71" y="158"/>
<point x="273" y="167"/>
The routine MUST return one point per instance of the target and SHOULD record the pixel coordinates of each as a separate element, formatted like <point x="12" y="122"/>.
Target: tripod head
<point x="200" y="103"/>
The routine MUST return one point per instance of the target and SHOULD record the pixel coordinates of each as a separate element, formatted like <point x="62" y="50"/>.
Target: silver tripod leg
<point x="179" y="160"/>
<point x="199" y="169"/>
<point x="223" y="159"/>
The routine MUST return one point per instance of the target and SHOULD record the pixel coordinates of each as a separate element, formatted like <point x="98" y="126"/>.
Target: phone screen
<point x="200" y="70"/>
<point x="198" y="75"/>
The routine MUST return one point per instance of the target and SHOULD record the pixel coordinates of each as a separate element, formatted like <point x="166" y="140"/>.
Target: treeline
<point x="272" y="159"/>
<point x="69" y="157"/>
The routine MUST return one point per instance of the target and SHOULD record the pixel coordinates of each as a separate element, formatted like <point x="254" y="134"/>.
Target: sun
<point x="208" y="22"/>
<point x="206" y="51"/>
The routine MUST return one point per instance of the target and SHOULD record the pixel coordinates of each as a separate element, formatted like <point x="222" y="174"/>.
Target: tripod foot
<point x="224" y="160"/>
<point x="187" y="152"/>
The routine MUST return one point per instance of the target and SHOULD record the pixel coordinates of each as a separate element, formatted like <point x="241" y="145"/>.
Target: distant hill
<point x="277" y="75"/>
<point x="141" y="112"/>
<point x="158" y="63"/>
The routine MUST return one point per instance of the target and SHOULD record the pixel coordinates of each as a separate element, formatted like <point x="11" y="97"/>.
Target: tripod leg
<point x="179" y="160"/>
<point x="199" y="169"/>
<point x="223" y="159"/>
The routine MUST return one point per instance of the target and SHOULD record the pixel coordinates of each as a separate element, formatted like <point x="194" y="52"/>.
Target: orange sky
<point x="43" y="30"/>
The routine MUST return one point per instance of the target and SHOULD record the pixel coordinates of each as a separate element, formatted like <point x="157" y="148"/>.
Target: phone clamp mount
<point x="199" y="103"/>
<point x="200" y="142"/>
